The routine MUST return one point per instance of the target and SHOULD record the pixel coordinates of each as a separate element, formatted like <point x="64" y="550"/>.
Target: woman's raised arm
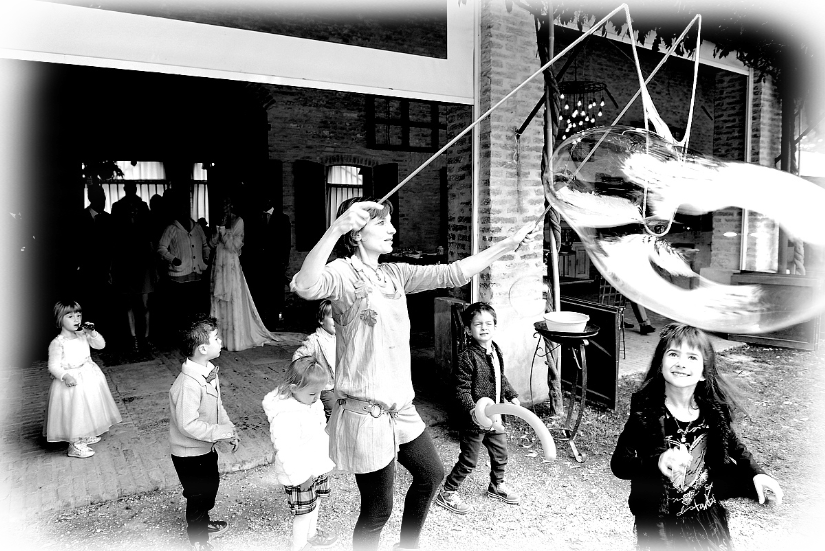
<point x="355" y="218"/>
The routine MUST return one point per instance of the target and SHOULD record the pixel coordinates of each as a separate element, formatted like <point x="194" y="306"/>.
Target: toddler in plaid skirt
<point x="302" y="463"/>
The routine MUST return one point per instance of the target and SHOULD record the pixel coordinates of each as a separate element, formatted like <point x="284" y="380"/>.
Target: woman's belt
<point x="365" y="407"/>
<point x="375" y="410"/>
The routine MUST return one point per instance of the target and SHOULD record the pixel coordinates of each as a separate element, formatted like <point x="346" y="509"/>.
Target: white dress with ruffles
<point x="86" y="409"/>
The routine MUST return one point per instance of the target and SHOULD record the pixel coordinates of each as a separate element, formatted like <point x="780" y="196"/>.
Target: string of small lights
<point x="579" y="108"/>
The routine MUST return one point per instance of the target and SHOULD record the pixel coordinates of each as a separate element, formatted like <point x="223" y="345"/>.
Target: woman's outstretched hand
<point x="356" y="217"/>
<point x="523" y="235"/>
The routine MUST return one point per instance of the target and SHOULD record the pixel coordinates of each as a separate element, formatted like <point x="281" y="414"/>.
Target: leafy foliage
<point x="753" y="33"/>
<point x="780" y="38"/>
<point x="101" y="171"/>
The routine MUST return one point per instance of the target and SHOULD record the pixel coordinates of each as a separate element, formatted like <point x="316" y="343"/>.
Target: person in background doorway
<point x="240" y="324"/>
<point x="94" y="259"/>
<point x="185" y="249"/>
<point x="267" y="258"/>
<point x="133" y="267"/>
<point x="641" y="316"/>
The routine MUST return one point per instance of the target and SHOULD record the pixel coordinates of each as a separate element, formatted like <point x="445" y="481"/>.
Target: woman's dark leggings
<point x="421" y="459"/>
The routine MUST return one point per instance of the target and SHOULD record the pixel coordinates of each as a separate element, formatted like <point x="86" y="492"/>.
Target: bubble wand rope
<point x="502" y="100"/>
<point x="683" y="142"/>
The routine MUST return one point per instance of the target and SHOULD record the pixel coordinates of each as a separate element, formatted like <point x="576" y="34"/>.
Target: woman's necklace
<point x="379" y="275"/>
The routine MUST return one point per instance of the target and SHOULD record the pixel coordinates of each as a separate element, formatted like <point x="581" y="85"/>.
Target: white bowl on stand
<point x="566" y="322"/>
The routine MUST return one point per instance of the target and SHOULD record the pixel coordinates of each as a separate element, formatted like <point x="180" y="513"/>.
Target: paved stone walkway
<point x="133" y="457"/>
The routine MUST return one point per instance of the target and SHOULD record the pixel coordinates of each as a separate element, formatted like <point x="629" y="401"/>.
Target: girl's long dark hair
<point x="716" y="397"/>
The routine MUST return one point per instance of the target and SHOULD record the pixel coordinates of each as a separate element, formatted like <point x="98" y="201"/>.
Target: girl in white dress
<point x="81" y="408"/>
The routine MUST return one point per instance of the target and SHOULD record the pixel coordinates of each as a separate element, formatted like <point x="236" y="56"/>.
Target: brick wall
<point x="763" y="233"/>
<point x="510" y="192"/>
<point x="728" y="143"/>
<point x="459" y="190"/>
<point x="330" y="128"/>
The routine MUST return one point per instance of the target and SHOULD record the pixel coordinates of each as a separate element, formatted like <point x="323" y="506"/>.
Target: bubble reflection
<point x="619" y="189"/>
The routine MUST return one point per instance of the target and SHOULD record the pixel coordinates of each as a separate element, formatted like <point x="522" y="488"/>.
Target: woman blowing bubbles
<point x="374" y="422"/>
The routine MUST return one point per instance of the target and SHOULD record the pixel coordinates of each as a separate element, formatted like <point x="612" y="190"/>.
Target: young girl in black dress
<point x="679" y="450"/>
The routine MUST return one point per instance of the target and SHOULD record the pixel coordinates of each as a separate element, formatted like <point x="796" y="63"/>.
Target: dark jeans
<point x="470" y="444"/>
<point x="421" y="459"/>
<point x="199" y="477"/>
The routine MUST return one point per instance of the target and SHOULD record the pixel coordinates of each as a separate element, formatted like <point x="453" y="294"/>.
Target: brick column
<point x="763" y="232"/>
<point x="510" y="192"/>
<point x="728" y="143"/>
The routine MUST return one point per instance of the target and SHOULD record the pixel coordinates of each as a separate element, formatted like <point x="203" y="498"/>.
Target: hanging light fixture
<point x="580" y="96"/>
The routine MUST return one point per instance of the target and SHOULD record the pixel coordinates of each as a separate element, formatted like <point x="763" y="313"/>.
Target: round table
<point x="575" y="342"/>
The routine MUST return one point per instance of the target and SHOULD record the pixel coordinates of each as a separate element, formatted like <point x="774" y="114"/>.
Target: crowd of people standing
<point x="145" y="268"/>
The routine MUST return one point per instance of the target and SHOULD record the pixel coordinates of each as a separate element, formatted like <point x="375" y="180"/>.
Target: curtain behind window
<point x="343" y="182"/>
<point x="150" y="179"/>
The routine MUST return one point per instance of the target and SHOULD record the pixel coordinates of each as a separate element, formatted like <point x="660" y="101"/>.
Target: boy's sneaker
<point x="217" y="527"/>
<point x="90" y="440"/>
<point x="322" y="540"/>
<point x="503" y="493"/>
<point x="78" y="449"/>
<point x="202" y="546"/>
<point x="452" y="502"/>
<point x="646" y="329"/>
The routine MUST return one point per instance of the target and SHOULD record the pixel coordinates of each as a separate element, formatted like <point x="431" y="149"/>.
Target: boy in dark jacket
<point x="480" y="374"/>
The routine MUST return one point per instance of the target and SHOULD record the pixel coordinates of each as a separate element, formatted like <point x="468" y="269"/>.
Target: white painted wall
<point x="41" y="31"/>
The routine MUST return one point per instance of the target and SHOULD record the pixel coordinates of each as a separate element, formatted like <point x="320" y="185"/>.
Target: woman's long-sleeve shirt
<point x="372" y="327"/>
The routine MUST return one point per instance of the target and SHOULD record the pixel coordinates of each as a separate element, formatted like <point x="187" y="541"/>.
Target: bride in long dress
<point x="240" y="325"/>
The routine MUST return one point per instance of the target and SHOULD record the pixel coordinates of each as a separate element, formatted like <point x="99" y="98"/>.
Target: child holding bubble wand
<point x="479" y="374"/>
<point x="680" y="452"/>
<point x="80" y="408"/>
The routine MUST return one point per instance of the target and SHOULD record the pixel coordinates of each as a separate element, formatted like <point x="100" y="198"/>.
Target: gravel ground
<point x="566" y="505"/>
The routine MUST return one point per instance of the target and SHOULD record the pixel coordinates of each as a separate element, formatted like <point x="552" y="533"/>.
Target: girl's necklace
<point x="683" y="432"/>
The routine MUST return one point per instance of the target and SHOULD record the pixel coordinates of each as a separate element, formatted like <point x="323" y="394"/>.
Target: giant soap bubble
<point x="619" y="189"/>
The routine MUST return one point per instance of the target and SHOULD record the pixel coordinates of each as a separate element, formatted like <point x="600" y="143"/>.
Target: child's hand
<point x="673" y="463"/>
<point x="306" y="484"/>
<point x="235" y="442"/>
<point x="70" y="381"/>
<point x="515" y="402"/>
<point x="763" y="482"/>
